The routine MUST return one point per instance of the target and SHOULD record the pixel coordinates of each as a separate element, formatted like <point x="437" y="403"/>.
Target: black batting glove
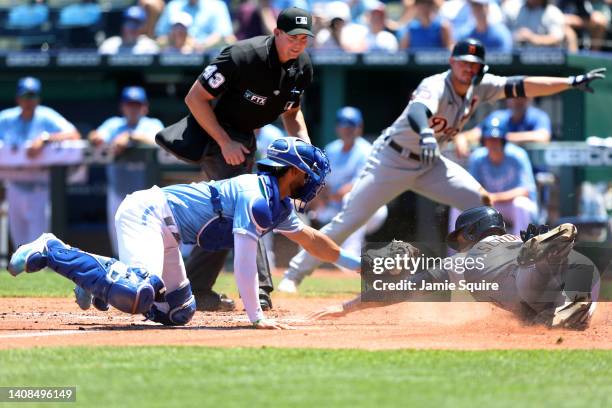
<point x="430" y="151"/>
<point x="582" y="82"/>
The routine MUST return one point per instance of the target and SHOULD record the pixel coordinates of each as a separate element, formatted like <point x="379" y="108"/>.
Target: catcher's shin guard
<point x="130" y="290"/>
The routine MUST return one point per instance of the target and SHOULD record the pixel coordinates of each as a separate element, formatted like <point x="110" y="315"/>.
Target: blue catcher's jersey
<point x="249" y="204"/>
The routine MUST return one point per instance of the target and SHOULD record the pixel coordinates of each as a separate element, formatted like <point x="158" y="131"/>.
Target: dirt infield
<point x="28" y="322"/>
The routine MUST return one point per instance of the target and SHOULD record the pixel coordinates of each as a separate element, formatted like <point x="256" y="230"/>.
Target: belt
<point x="401" y="149"/>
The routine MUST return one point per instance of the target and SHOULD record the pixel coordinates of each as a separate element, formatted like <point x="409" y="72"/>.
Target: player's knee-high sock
<point x="130" y="290"/>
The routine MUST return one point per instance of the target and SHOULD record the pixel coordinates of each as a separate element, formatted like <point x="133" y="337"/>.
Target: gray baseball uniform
<point x="392" y="167"/>
<point x="525" y="291"/>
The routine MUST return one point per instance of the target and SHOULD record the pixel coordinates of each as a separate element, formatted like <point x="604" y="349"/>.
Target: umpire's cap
<point x="294" y="21"/>
<point x="470" y="50"/>
<point x="476" y="223"/>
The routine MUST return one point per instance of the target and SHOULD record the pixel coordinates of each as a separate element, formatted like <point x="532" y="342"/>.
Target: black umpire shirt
<point x="252" y="87"/>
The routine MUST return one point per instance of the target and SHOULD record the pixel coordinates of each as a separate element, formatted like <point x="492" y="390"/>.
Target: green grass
<point x="39" y="284"/>
<point x="49" y="284"/>
<point x="212" y="377"/>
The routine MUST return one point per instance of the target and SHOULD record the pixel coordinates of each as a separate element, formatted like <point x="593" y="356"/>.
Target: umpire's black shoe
<point x="265" y="301"/>
<point x="214" y="302"/>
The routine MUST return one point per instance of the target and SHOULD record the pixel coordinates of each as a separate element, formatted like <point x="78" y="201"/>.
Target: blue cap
<point x="134" y="94"/>
<point x="28" y="85"/>
<point x="134" y="13"/>
<point x="494" y="129"/>
<point x="349" y="116"/>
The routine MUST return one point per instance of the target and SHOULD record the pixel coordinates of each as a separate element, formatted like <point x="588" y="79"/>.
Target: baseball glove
<point x="391" y="250"/>
<point x="552" y="246"/>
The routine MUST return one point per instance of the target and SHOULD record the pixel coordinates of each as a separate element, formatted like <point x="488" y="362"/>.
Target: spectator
<point x="31" y="126"/>
<point x="340" y="34"/>
<point x="132" y="39"/>
<point x="211" y="25"/>
<point x="255" y="17"/>
<point x="360" y="9"/>
<point x="405" y="16"/>
<point x="523" y="123"/>
<point x="496" y="37"/>
<point x="153" y="9"/>
<point x="536" y="24"/>
<point x="279" y="5"/>
<point x="82" y="14"/>
<point x="378" y="37"/>
<point x="505" y="171"/>
<point x="427" y="30"/>
<point x="178" y="40"/>
<point x="30" y="15"/>
<point x="132" y="128"/>
<point x="585" y="16"/>
<point x="459" y="14"/>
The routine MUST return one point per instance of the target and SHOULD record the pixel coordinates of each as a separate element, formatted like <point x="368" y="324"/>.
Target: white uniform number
<point x="214" y="78"/>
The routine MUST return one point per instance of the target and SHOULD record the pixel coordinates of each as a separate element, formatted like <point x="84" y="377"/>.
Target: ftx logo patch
<point x="254" y="98"/>
<point x="301" y="20"/>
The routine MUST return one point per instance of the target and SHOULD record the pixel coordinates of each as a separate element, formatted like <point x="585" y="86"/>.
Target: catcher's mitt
<point x="390" y="250"/>
<point x="553" y="246"/>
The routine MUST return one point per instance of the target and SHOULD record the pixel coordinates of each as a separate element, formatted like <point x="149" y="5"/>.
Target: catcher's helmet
<point x="476" y="223"/>
<point x="470" y="50"/>
<point x="292" y="151"/>
<point x="493" y="128"/>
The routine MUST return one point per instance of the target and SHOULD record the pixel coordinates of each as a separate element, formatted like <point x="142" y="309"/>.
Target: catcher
<point x="537" y="276"/>
<point x="150" y="277"/>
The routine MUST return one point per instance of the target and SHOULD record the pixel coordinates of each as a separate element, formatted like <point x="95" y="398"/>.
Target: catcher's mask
<point x="292" y="151"/>
<point x="475" y="224"/>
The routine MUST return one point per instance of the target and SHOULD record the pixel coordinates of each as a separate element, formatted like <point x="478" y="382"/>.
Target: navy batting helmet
<point x="292" y="151"/>
<point x="475" y="224"/>
<point x="470" y="50"/>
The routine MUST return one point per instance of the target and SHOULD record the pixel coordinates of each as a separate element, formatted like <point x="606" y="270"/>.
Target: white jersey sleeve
<point x="491" y="88"/>
<point x="245" y="273"/>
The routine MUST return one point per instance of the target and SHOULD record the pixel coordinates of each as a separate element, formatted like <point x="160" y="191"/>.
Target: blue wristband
<point x="348" y="261"/>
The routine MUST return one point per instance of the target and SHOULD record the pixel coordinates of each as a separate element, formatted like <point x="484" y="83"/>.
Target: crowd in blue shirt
<point x="417" y="25"/>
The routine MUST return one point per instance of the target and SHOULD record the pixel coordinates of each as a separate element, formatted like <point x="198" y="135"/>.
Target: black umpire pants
<point x="203" y="267"/>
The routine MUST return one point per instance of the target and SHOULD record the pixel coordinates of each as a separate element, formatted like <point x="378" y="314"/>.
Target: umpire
<point x="252" y="82"/>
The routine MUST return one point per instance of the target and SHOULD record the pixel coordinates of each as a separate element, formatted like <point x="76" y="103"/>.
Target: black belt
<point x="400" y="150"/>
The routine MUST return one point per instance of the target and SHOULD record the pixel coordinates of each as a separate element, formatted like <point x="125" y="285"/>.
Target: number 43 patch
<point x="214" y="78"/>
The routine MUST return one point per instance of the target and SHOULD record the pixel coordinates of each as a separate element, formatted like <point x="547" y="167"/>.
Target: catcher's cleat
<point x="83" y="298"/>
<point x="553" y="245"/>
<point x="30" y="257"/>
<point x="214" y="302"/>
